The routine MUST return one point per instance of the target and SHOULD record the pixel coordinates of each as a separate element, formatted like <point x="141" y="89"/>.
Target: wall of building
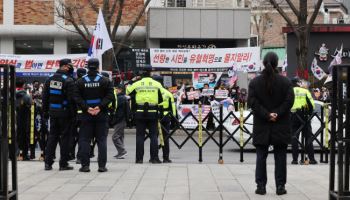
<point x="271" y="23"/>
<point x="29" y="12"/>
<point x="198" y="27"/>
<point x="1" y="11"/>
<point x="36" y="20"/>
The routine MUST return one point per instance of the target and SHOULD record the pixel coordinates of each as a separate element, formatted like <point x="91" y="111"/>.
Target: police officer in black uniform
<point x="94" y="93"/>
<point x="75" y="136"/>
<point x="57" y="100"/>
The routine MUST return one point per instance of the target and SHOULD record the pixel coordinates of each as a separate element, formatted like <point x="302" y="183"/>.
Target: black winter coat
<point x="263" y="103"/>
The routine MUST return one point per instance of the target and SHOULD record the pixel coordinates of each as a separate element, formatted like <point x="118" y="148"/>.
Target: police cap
<point x="295" y="80"/>
<point x="158" y="78"/>
<point x="146" y="70"/>
<point x="81" y="72"/>
<point x="93" y="64"/>
<point x="66" y="61"/>
<point x="120" y="86"/>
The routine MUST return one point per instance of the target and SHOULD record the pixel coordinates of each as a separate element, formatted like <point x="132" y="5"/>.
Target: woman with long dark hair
<point x="271" y="97"/>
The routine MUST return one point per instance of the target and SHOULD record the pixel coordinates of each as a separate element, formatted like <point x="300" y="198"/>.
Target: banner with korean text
<point x="40" y="65"/>
<point x="244" y="59"/>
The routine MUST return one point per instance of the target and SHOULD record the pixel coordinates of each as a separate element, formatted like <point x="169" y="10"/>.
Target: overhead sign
<point x="245" y="59"/>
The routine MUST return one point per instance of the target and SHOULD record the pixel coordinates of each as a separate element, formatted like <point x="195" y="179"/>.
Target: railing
<point x="8" y="136"/>
<point x="241" y="134"/>
<point x="340" y="134"/>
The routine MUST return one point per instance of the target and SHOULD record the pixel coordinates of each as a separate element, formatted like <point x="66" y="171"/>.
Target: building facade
<point x="33" y="26"/>
<point x="267" y="23"/>
<point x="198" y="24"/>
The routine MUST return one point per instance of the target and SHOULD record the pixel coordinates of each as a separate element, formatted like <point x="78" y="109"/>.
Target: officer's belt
<point x="298" y="110"/>
<point x="148" y="107"/>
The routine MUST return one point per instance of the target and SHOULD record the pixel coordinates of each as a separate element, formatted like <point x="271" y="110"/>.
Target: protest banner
<point x="221" y="94"/>
<point x="192" y="95"/>
<point x="190" y="123"/>
<point x="207" y="92"/>
<point x="201" y="78"/>
<point x="246" y="59"/>
<point x="231" y="123"/>
<point x="40" y="65"/>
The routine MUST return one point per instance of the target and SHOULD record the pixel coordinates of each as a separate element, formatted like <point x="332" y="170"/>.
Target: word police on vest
<point x="92" y="85"/>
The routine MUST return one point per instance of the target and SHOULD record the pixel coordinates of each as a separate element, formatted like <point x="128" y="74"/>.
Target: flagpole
<point x="115" y="59"/>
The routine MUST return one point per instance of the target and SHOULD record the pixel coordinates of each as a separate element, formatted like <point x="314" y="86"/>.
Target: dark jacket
<point x="68" y="88"/>
<point x="123" y="109"/>
<point x="23" y="105"/>
<point x="263" y="103"/>
<point x="103" y="90"/>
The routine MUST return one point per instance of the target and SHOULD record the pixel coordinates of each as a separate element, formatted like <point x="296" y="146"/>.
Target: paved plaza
<point x="184" y="179"/>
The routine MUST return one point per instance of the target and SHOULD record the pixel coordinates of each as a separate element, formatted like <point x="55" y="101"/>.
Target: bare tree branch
<point x="114" y="6"/>
<point x="314" y="15"/>
<point x="81" y="22"/>
<point x="132" y="27"/>
<point x="292" y="6"/>
<point x="285" y="16"/>
<point x="106" y="13"/>
<point x="67" y="29"/>
<point x="117" y="20"/>
<point x="93" y="5"/>
<point x="74" y="23"/>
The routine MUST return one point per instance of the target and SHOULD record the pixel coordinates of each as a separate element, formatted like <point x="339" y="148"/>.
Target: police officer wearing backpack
<point x="94" y="93"/>
<point x="146" y="95"/>
<point x="57" y="100"/>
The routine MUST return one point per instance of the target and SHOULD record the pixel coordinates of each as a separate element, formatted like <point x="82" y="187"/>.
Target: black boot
<point x="260" y="189"/>
<point x="281" y="190"/>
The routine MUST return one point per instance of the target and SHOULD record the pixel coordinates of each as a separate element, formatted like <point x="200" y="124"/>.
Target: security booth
<point x="8" y="134"/>
<point x="339" y="187"/>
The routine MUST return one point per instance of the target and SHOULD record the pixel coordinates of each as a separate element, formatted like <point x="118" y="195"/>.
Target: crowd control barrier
<point x="8" y="134"/>
<point x="234" y="130"/>
<point x="340" y="134"/>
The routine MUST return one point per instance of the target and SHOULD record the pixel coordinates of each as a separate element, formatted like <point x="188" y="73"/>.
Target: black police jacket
<point x="94" y="90"/>
<point x="58" y="95"/>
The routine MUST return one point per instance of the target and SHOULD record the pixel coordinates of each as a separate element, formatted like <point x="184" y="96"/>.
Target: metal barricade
<point x="8" y="135"/>
<point x="240" y="134"/>
<point x="340" y="134"/>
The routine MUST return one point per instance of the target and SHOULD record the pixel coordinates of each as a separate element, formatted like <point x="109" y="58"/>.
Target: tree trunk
<point x="302" y="49"/>
<point x="302" y="53"/>
<point x="108" y="60"/>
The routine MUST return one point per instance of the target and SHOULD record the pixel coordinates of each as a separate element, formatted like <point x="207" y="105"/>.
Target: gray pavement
<point x="184" y="179"/>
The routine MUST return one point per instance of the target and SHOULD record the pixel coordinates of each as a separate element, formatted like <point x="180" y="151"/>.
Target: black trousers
<point x="89" y="129"/>
<point x="280" y="154"/>
<point x="59" y="132"/>
<point x="23" y="131"/>
<point x="141" y="126"/>
<point x="74" y="137"/>
<point x="307" y="132"/>
<point x="165" y="130"/>
<point x="44" y="134"/>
